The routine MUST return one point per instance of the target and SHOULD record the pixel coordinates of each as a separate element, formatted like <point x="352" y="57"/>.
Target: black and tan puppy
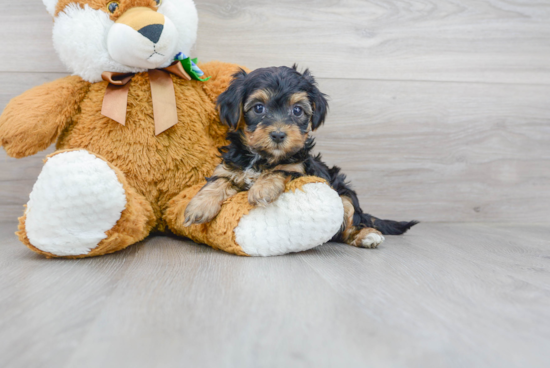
<point x="272" y="112"/>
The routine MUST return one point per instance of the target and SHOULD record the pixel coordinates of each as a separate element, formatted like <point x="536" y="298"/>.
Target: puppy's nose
<point x="152" y="32"/>
<point x="278" y="137"/>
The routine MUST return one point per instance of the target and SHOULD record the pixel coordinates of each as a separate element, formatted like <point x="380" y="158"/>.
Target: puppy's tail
<point x="387" y="227"/>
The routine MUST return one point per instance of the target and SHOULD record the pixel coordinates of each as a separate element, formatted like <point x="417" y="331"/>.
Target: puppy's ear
<point x="230" y="102"/>
<point x="318" y="100"/>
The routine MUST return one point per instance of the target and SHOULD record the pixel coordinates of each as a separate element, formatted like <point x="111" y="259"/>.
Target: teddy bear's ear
<point x="230" y="103"/>
<point x="50" y="6"/>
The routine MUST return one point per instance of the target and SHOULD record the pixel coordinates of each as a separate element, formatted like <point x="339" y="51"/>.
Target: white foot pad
<point x="293" y="223"/>
<point x="76" y="199"/>
<point x="372" y="240"/>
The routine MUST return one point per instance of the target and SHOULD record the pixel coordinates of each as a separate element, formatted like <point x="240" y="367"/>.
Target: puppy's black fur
<point x="275" y="110"/>
<point x="316" y="167"/>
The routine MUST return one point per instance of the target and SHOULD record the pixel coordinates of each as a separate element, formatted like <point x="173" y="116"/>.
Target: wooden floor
<point x="445" y="295"/>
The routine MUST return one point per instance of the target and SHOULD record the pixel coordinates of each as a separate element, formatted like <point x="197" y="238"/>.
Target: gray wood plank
<point x="206" y="308"/>
<point x="481" y="291"/>
<point x="443" y="295"/>
<point x="13" y="84"/>
<point x="17" y="178"/>
<point x="47" y="306"/>
<point x="490" y="40"/>
<point x="442" y="151"/>
<point x="11" y="212"/>
<point x="466" y="40"/>
<point x="27" y="44"/>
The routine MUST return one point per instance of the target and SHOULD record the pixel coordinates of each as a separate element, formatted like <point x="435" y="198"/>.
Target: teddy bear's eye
<point x="113" y="6"/>
<point x="158" y="2"/>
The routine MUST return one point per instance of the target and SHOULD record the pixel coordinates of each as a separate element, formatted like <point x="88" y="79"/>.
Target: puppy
<point x="271" y="113"/>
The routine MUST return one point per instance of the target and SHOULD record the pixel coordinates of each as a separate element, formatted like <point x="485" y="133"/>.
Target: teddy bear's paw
<point x="295" y="222"/>
<point x="76" y="199"/>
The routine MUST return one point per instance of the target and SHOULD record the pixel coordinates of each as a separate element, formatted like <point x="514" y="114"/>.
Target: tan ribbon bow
<point x="165" y="110"/>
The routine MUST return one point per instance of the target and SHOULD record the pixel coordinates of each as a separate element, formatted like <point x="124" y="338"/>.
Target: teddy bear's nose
<point x="152" y="32"/>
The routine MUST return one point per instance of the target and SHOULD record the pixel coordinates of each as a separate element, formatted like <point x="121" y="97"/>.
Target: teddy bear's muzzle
<point x="142" y="38"/>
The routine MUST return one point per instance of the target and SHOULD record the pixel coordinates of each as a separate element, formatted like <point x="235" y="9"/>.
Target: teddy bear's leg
<point x="82" y="206"/>
<point x="308" y="214"/>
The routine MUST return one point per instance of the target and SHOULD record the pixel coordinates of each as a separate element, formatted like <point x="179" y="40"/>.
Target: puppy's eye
<point x="259" y="109"/>
<point x="297" y="111"/>
<point x="113" y="6"/>
<point x="158" y="2"/>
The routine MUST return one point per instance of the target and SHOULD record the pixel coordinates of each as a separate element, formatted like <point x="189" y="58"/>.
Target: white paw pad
<point x="295" y="222"/>
<point x="372" y="240"/>
<point x="76" y="199"/>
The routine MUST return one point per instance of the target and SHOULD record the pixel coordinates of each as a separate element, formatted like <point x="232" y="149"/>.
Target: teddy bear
<point x="136" y="135"/>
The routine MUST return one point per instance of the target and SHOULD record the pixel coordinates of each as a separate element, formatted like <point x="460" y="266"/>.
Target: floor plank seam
<point x="471" y="82"/>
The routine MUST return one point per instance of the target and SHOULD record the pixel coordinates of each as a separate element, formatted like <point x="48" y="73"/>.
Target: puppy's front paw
<point x="262" y="194"/>
<point x="200" y="210"/>
<point x="368" y="238"/>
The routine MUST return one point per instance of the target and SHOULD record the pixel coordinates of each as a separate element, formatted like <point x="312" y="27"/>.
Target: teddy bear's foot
<point x="308" y="214"/>
<point x="298" y="220"/>
<point x="82" y="206"/>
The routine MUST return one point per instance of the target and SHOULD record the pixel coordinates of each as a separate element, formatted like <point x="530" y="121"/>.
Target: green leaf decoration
<point x="190" y="69"/>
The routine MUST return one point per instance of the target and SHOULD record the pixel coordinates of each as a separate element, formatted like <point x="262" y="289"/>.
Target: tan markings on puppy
<point x="361" y="238"/>
<point x="260" y="141"/>
<point x="301" y="99"/>
<point x="347" y="225"/>
<point x="240" y="179"/>
<point x="297" y="168"/>
<point x="298" y="97"/>
<point x="223" y="171"/>
<point x="354" y="236"/>
<point x="208" y="202"/>
<point x="102" y="5"/>
<point x="295" y="139"/>
<point x="267" y="189"/>
<point x="260" y="95"/>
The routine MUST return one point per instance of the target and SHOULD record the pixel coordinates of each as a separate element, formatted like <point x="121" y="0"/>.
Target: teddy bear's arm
<point x="32" y="121"/>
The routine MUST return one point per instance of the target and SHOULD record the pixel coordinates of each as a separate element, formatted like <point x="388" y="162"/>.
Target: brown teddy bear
<point x="136" y="135"/>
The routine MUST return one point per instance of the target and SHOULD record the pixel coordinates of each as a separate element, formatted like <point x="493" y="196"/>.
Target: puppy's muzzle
<point x="277" y="136"/>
